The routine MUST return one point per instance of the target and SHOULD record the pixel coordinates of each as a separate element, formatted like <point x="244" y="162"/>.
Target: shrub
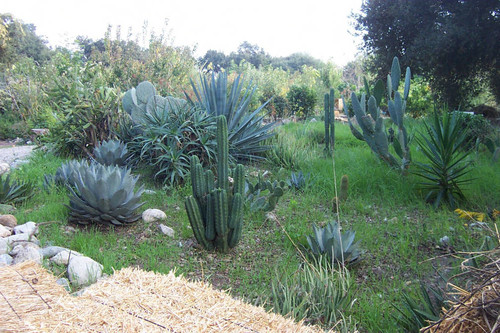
<point x="301" y="100"/>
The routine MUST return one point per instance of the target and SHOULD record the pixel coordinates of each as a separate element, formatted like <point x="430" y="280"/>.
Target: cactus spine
<point x="215" y="209"/>
<point x="329" y="121"/>
<point x="373" y="131"/>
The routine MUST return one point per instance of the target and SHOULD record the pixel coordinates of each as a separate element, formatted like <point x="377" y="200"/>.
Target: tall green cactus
<point x="329" y="121"/>
<point x="368" y="117"/>
<point x="215" y="209"/>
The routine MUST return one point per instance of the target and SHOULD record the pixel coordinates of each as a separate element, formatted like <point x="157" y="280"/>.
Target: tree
<point x="454" y="43"/>
<point x="214" y="60"/>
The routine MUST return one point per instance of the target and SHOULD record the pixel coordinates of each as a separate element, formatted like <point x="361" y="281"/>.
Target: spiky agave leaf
<point x="14" y="191"/>
<point x="112" y="152"/>
<point x="104" y="195"/>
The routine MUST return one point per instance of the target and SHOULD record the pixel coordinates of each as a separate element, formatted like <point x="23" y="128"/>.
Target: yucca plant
<point x="443" y="147"/>
<point x="104" y="195"/>
<point x="339" y="247"/>
<point x="12" y="192"/>
<point x="112" y="152"/>
<point x="247" y="133"/>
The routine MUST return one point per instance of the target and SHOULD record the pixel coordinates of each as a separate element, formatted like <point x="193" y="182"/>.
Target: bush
<point x="301" y="100"/>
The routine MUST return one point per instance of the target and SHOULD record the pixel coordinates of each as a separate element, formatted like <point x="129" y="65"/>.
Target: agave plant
<point x="112" y="152"/>
<point x="15" y="191"/>
<point x="104" y="195"/>
<point x="66" y="174"/>
<point x="338" y="247"/>
<point x="299" y="180"/>
<point x="247" y="132"/>
<point x="446" y="167"/>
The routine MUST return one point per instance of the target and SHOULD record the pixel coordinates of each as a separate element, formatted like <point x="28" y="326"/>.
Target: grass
<point x="397" y="230"/>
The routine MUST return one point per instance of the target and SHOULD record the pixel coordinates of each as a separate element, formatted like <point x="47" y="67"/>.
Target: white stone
<point x="4" y="246"/>
<point x="8" y="220"/>
<point x="83" y="270"/>
<point x="63" y="257"/>
<point x="50" y="251"/>
<point x="26" y="251"/>
<point x="4" y="231"/>
<point x="152" y="215"/>
<point x="4" y="168"/>
<point x="18" y="238"/>
<point x="29" y="228"/>
<point x="167" y="230"/>
<point x="64" y="282"/>
<point x="5" y="260"/>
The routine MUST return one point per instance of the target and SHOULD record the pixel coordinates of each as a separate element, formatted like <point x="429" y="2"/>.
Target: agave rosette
<point x="112" y="152"/>
<point x="105" y="195"/>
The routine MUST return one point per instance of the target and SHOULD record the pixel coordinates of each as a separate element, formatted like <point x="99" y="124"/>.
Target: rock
<point x="5" y="260"/>
<point x="8" y="220"/>
<point x="4" y="168"/>
<point x="152" y="215"/>
<point x="4" y="231"/>
<point x="26" y="251"/>
<point x="51" y="251"/>
<point x="69" y="230"/>
<point x="19" y="238"/>
<point x="4" y="246"/>
<point x="40" y="131"/>
<point x="29" y="228"/>
<point x="83" y="270"/>
<point x="149" y="192"/>
<point x="167" y="230"/>
<point x="313" y="120"/>
<point x="63" y="257"/>
<point x="65" y="283"/>
<point x="7" y="209"/>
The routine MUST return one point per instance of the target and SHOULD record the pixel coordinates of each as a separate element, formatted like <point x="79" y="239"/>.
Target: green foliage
<point x="13" y="192"/>
<point x="104" y="195"/>
<point x="247" y="133"/>
<point x="477" y="128"/>
<point x="372" y="124"/>
<point x="416" y="312"/>
<point x="299" y="181"/>
<point x="420" y="101"/>
<point x="302" y="100"/>
<point x="313" y="293"/>
<point x="338" y="247"/>
<point x="443" y="146"/>
<point x="264" y="194"/>
<point x="112" y="152"/>
<point x="215" y="210"/>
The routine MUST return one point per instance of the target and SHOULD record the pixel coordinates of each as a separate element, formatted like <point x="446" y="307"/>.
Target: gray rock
<point x="5" y="260"/>
<point x="313" y="120"/>
<point x="4" y="231"/>
<point x="65" y="283"/>
<point x="50" y="251"/>
<point x="7" y="209"/>
<point x="19" y="238"/>
<point x="4" y="168"/>
<point x="167" y="230"/>
<point x="29" y="228"/>
<point x="4" y="246"/>
<point x="83" y="270"/>
<point x="26" y="251"/>
<point x="63" y="257"/>
<point x="8" y="220"/>
<point x="152" y="215"/>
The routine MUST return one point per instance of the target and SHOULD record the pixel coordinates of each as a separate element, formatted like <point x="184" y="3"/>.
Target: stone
<point x="4" y="231"/>
<point x="65" y="283"/>
<point x="8" y="220"/>
<point x="4" y="246"/>
<point x="150" y="192"/>
<point x="26" y="251"/>
<point x="29" y="228"/>
<point x="69" y="230"/>
<point x="4" y="168"/>
<point x="63" y="257"/>
<point x="167" y="230"/>
<point x="83" y="270"/>
<point x="313" y="120"/>
<point x="7" y="209"/>
<point x="50" y="251"/>
<point x="19" y="238"/>
<point x="5" y="260"/>
<point x="152" y="215"/>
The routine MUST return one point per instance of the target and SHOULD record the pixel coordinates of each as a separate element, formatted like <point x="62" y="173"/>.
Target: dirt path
<point x="14" y="155"/>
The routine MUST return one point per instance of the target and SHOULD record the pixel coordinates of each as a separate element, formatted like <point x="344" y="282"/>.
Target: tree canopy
<point x="455" y="43"/>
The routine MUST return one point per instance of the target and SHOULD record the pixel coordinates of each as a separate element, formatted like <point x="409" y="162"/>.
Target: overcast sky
<point x="321" y="28"/>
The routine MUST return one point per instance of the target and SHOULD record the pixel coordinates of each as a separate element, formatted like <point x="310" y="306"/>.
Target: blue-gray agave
<point x="112" y="152"/>
<point x="104" y="195"/>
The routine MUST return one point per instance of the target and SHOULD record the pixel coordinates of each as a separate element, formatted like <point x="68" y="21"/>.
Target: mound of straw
<point x="131" y="300"/>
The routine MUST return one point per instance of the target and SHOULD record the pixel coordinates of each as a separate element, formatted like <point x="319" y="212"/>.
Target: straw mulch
<point x="131" y="300"/>
<point x="477" y="311"/>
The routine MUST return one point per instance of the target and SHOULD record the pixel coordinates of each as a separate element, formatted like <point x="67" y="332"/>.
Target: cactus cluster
<point x="367" y="113"/>
<point x="264" y="195"/>
<point x="215" y="209"/>
<point x="329" y="121"/>
<point x="342" y="197"/>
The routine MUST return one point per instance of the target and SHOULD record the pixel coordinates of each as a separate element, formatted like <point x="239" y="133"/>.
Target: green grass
<point x="397" y="230"/>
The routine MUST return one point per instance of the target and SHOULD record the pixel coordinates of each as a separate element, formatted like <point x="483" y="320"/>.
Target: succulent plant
<point x="264" y="194"/>
<point x="329" y="121"/>
<point x="104" y="195"/>
<point x="14" y="191"/>
<point x="338" y="247"/>
<point x="66" y="174"/>
<point x="112" y="152"/>
<point x="215" y="209"/>
<point x="342" y="197"/>
<point x="299" y="181"/>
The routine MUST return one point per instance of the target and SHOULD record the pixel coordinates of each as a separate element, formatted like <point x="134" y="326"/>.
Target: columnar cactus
<point x="372" y="125"/>
<point x="329" y="121"/>
<point x="215" y="209"/>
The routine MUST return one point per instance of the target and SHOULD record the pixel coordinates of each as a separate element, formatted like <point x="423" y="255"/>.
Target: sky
<point x="321" y="28"/>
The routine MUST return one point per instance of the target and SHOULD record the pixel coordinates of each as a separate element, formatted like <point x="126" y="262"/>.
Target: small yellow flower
<point x="463" y="214"/>
<point x="495" y="214"/>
